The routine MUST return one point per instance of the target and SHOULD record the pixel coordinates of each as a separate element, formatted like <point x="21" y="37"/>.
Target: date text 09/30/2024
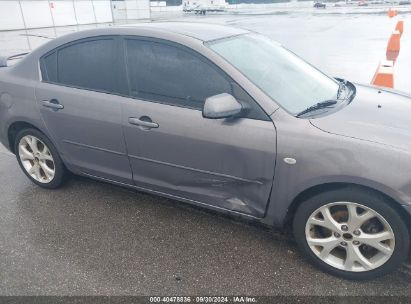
<point x="207" y="299"/>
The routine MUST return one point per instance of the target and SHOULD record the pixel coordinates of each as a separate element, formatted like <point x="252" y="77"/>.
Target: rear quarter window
<point x="49" y="67"/>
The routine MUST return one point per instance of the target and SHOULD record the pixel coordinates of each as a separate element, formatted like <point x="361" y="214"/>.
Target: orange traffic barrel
<point x="384" y="76"/>
<point x="400" y="26"/>
<point x="392" y="13"/>
<point x="394" y="42"/>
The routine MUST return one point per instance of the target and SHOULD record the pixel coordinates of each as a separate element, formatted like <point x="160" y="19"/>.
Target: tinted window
<point x="49" y="68"/>
<point x="169" y="74"/>
<point x="89" y="64"/>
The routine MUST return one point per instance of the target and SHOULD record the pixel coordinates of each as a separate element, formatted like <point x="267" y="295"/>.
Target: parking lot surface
<point x="92" y="238"/>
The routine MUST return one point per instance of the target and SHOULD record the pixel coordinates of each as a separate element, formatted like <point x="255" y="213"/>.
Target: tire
<point x="49" y="160"/>
<point x="347" y="250"/>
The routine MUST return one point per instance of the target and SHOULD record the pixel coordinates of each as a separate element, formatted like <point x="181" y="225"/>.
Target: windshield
<point x="290" y="81"/>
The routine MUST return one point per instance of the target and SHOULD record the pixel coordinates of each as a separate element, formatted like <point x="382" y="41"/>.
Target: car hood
<point x="377" y="115"/>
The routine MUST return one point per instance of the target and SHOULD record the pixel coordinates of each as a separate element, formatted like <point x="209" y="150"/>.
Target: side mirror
<point x="221" y="106"/>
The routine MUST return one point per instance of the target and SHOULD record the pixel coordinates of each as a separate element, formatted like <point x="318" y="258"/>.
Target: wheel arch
<point x="15" y="128"/>
<point x="321" y="188"/>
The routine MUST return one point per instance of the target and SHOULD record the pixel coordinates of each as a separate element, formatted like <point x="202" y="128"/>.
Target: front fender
<point x="322" y="158"/>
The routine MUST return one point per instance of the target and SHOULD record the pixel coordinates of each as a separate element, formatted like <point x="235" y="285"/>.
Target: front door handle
<point x="143" y="121"/>
<point x="52" y="104"/>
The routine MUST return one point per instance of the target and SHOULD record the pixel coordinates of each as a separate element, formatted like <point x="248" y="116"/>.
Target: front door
<point x="226" y="163"/>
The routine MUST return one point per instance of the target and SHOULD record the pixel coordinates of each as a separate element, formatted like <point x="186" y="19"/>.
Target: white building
<point x="204" y="4"/>
<point x="28" y="14"/>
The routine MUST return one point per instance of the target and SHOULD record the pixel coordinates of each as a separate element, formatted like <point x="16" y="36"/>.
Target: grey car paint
<point x="241" y="165"/>
<point x="204" y="160"/>
<point x="88" y="130"/>
<point x="379" y="117"/>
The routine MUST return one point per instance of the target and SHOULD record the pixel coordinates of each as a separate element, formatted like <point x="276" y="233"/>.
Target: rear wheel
<point x="39" y="159"/>
<point x="351" y="233"/>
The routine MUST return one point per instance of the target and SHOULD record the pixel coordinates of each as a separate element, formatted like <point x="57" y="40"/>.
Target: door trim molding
<point x="93" y="147"/>
<point x="171" y="196"/>
<point x="197" y="170"/>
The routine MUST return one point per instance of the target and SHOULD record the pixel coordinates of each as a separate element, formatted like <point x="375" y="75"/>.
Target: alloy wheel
<point x="36" y="159"/>
<point x="350" y="236"/>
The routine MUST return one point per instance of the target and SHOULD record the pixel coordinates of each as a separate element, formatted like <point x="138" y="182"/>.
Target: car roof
<point x="200" y="31"/>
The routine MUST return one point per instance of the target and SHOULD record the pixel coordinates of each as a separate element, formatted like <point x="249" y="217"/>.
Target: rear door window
<point x="90" y="64"/>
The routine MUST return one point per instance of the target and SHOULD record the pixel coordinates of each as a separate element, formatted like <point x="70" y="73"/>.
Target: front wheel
<point x="39" y="159"/>
<point x="351" y="233"/>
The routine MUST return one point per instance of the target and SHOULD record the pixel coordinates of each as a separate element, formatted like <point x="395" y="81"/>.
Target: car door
<point x="80" y="107"/>
<point x="225" y="163"/>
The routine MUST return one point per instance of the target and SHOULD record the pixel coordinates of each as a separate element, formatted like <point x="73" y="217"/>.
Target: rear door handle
<point x="52" y="104"/>
<point x="146" y="123"/>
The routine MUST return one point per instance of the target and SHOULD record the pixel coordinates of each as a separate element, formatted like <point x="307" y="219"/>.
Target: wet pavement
<point x="91" y="238"/>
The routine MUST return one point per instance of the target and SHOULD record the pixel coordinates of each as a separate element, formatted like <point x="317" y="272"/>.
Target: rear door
<point x="79" y="102"/>
<point x="226" y="163"/>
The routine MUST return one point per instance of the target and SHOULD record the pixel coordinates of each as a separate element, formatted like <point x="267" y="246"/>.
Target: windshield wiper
<point x="318" y="106"/>
<point x="341" y="87"/>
